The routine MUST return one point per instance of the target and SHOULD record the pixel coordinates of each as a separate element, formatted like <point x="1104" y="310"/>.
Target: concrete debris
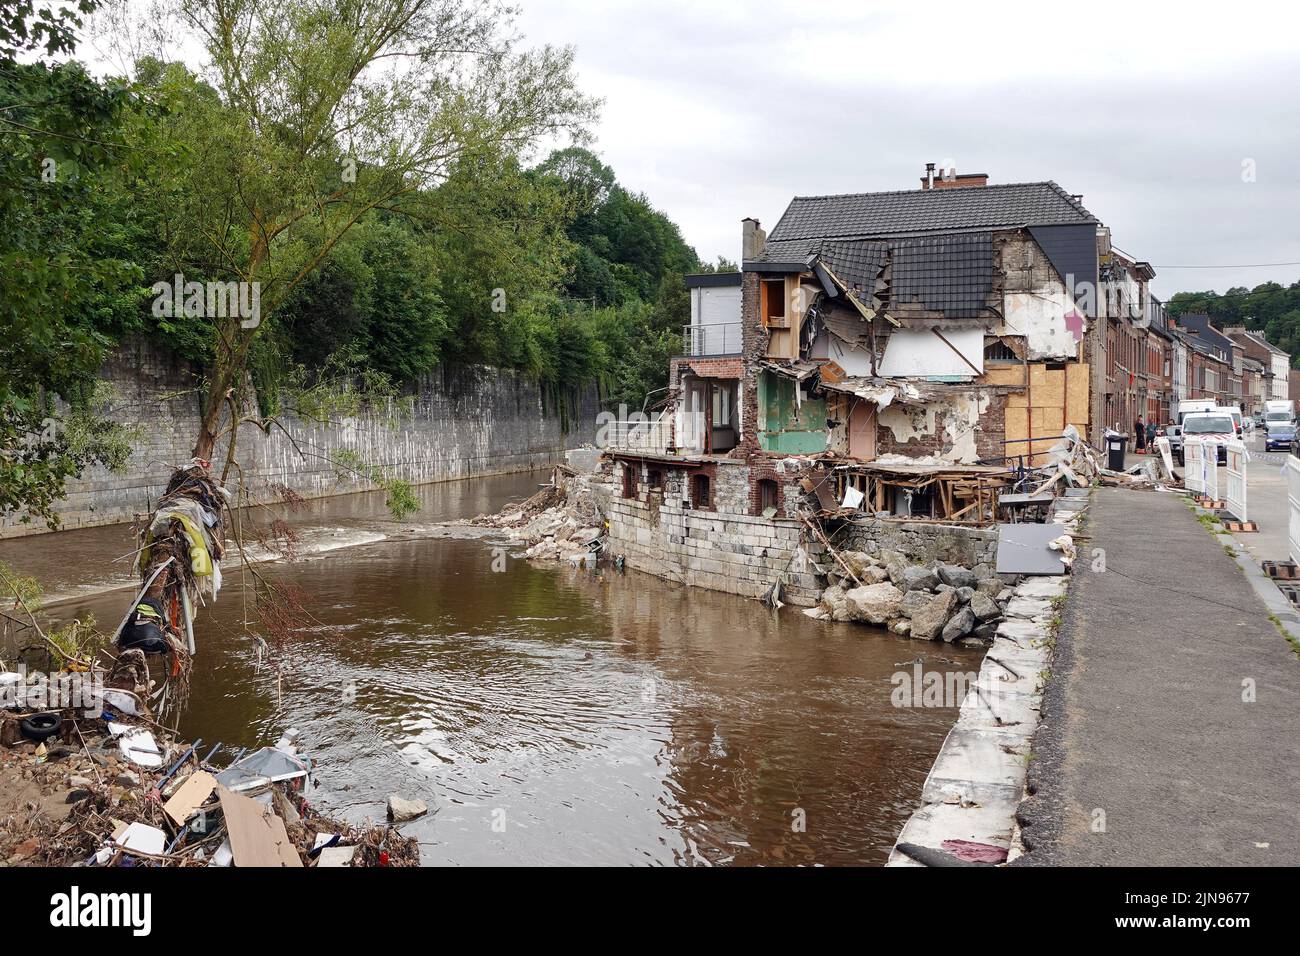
<point x="563" y="521"/>
<point x="403" y="810"/>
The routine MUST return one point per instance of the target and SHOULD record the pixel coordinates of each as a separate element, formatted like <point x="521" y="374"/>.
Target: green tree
<point x="67" y="275"/>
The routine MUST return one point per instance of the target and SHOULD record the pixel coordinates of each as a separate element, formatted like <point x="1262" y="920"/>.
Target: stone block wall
<point x="724" y="546"/>
<point x="466" y="421"/>
<point x="924" y="542"/>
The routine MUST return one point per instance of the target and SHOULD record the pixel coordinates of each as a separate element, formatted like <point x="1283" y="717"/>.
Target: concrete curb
<point x="978" y="779"/>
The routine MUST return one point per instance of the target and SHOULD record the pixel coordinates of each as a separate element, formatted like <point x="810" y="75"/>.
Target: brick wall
<point x="466" y="421"/>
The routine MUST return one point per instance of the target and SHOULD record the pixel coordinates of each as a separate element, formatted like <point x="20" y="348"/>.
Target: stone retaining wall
<point x="466" y="421"/>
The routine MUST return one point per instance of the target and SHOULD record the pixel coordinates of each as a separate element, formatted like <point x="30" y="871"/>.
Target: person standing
<point x="1139" y="436"/>
<point x="1151" y="436"/>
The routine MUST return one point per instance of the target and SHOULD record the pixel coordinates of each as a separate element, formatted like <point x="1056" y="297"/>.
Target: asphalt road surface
<point x="1170" y="720"/>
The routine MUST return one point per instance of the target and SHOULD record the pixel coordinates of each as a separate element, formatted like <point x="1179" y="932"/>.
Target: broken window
<point x="656" y="480"/>
<point x="768" y="495"/>
<point x="998" y="351"/>
<point x="629" y="480"/>
<point x="700" y="491"/>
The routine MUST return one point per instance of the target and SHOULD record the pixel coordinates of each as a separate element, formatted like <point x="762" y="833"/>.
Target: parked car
<point x="1280" y="436"/>
<point x="1216" y="424"/>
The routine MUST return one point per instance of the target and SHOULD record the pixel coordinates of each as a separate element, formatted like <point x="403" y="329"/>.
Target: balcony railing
<point x="646" y="436"/>
<point x="719" y="338"/>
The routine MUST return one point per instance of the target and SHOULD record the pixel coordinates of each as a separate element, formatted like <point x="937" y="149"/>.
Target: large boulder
<point x="875" y="603"/>
<point x="875" y="575"/>
<point x="835" y="605"/>
<point x="984" y="607"/>
<point x="917" y="577"/>
<point x="928" y="621"/>
<point x="912" y="602"/>
<point x="991" y="587"/>
<point x="897" y="567"/>
<point x="956" y="576"/>
<point x="959" y="626"/>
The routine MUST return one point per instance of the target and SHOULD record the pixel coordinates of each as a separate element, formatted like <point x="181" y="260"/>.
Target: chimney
<point x="949" y="179"/>
<point x="752" y="239"/>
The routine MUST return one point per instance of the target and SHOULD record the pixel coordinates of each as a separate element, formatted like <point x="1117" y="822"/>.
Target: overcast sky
<point x="721" y="110"/>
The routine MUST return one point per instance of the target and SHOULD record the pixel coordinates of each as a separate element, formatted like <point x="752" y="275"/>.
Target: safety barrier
<point x="1193" y="473"/>
<point x="1235" y="487"/>
<point x="1293" y="509"/>
<point x="1201" y="466"/>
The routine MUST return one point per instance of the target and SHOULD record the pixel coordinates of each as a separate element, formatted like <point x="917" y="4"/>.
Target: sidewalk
<point x="1143" y="718"/>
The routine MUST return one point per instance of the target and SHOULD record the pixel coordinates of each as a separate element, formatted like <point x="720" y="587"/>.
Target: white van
<point x="1193" y="406"/>
<point x="1236" y="416"/>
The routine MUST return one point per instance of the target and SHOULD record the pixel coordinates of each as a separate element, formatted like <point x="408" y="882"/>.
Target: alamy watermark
<point x="175" y="298"/>
<point x="63" y="690"/>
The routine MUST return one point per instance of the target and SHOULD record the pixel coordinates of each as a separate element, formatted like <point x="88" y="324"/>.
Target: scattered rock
<point x="965" y="594"/>
<point x="917" y="577"/>
<point x="913" y="600"/>
<point x="991" y="587"/>
<point x="901" y="627"/>
<point x="928" y="621"/>
<point x="875" y="575"/>
<point x="984" y="607"/>
<point x="402" y="810"/>
<point x="957" y="577"/>
<point x="959" y="626"/>
<point x="127" y="779"/>
<point x="875" y="604"/>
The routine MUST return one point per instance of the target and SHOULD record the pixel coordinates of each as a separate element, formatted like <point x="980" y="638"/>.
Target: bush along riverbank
<point x="118" y="790"/>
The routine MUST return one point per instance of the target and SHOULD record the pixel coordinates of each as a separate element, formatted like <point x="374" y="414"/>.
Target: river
<point x="548" y="716"/>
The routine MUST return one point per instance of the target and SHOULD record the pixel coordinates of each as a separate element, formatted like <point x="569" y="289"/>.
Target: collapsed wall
<point x="708" y="524"/>
<point x="465" y="421"/>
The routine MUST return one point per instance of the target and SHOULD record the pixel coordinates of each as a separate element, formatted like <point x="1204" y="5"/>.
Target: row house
<point x="959" y="325"/>
<point x="1275" y="367"/>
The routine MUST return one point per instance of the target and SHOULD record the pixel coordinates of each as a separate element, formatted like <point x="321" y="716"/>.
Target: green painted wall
<point x="785" y="426"/>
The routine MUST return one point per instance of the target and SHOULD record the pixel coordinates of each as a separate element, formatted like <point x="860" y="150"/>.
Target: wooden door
<point x="862" y="430"/>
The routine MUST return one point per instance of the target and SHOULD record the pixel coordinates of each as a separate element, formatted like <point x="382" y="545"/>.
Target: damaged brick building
<point x="917" y="343"/>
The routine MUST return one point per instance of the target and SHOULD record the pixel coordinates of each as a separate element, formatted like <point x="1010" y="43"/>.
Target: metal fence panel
<point x="1235" y="487"/>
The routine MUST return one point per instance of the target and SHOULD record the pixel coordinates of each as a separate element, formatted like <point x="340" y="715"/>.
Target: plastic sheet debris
<point x="261" y="767"/>
<point x="139" y="746"/>
<point x="142" y="838"/>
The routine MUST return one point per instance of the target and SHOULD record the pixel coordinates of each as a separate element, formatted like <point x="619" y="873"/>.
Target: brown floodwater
<point x="550" y="716"/>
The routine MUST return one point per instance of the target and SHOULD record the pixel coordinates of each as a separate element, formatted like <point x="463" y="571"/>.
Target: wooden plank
<point x="1008" y="375"/>
<point x="257" y="835"/>
<point x="1076" y="398"/>
<point x="189" y="796"/>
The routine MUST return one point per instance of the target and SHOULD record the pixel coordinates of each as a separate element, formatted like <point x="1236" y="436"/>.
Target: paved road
<point x="1144" y="719"/>
<point x="1265" y="502"/>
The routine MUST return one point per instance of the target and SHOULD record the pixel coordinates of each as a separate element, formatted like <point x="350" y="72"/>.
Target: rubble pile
<point x="932" y="601"/>
<point x="1073" y="463"/>
<point x="562" y="521"/>
<point x="118" y="791"/>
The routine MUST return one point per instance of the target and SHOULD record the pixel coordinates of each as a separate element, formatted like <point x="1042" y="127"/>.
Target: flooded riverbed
<point x="553" y="716"/>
